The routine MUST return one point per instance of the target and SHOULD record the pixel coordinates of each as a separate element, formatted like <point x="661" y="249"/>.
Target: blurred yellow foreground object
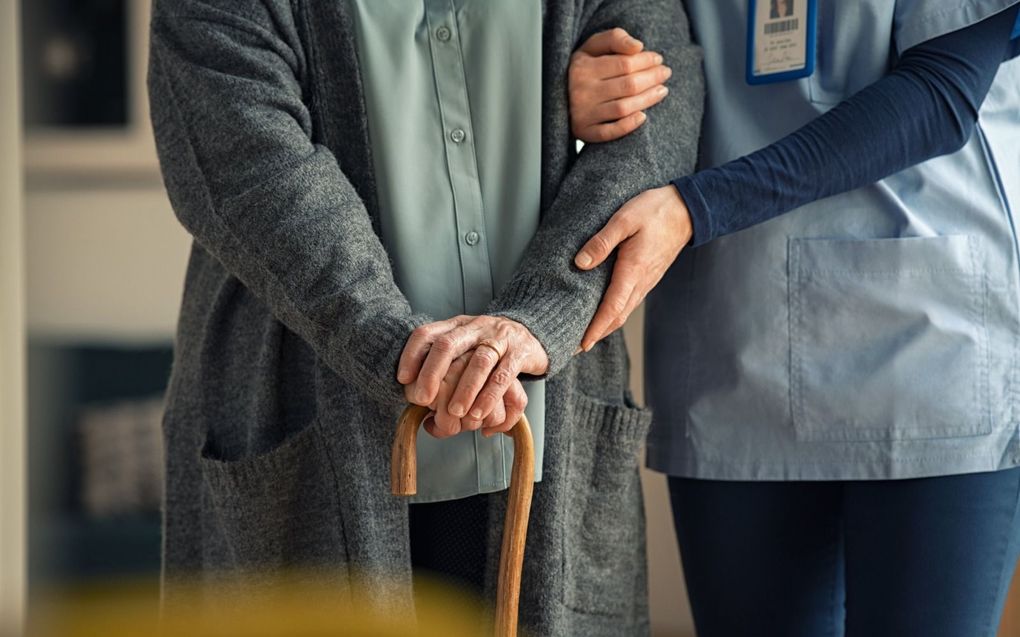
<point x="289" y="607"/>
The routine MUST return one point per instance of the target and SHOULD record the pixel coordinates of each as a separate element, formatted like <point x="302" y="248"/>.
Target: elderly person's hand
<point x="442" y="424"/>
<point x="490" y="352"/>
<point x="612" y="81"/>
<point x="649" y="231"/>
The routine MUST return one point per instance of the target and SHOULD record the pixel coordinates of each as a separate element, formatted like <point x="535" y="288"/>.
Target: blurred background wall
<point x="12" y="360"/>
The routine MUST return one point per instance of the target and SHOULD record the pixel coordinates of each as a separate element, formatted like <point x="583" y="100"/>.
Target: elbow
<point x="961" y="134"/>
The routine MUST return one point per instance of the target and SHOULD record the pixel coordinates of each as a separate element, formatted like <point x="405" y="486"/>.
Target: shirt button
<point x="472" y="238"/>
<point x="443" y="34"/>
<point x="458" y="135"/>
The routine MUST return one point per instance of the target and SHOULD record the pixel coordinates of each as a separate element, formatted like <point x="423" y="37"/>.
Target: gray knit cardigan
<point x="283" y="398"/>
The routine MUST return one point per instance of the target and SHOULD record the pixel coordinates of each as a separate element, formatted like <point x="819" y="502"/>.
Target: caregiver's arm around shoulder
<point x="246" y="180"/>
<point x="926" y="106"/>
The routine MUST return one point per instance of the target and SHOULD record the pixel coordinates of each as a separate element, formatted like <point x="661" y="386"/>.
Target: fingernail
<point x="476" y="414"/>
<point x="669" y="72"/>
<point x="642" y="117"/>
<point x="402" y="377"/>
<point x="457" y="410"/>
<point x="578" y="351"/>
<point x="588" y="346"/>
<point x="583" y="260"/>
<point x="421" y="396"/>
<point x="664" y="90"/>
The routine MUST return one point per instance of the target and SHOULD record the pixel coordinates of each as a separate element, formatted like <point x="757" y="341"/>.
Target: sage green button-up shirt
<point x="453" y="93"/>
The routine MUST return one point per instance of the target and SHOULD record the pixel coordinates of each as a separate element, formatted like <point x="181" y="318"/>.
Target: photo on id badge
<point x="780" y="40"/>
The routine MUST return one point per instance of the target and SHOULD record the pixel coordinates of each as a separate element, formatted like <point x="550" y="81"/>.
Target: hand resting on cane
<point x="466" y="370"/>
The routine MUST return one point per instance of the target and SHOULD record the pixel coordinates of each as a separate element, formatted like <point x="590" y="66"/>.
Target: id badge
<point x="780" y="40"/>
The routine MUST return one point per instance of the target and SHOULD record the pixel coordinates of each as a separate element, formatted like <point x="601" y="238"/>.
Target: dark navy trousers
<point x="928" y="557"/>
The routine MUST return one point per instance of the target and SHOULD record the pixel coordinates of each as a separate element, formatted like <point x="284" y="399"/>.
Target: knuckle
<point x="601" y="243"/>
<point x="630" y="85"/>
<point x="617" y="304"/>
<point x="502" y="377"/>
<point x="618" y="33"/>
<point x="490" y="396"/>
<point x="618" y="109"/>
<point x="445" y="344"/>
<point x="486" y="356"/>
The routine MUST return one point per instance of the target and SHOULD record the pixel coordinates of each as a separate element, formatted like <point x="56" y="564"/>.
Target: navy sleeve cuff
<point x="697" y="207"/>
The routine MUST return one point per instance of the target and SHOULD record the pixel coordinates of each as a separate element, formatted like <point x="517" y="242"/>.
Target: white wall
<point x="103" y="263"/>
<point x="12" y="352"/>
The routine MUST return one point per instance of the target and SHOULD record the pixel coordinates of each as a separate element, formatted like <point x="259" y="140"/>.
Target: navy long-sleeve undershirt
<point x="925" y="107"/>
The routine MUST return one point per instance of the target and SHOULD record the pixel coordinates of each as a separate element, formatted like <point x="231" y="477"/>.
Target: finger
<point x="445" y="349"/>
<point x="511" y="419"/>
<point x="635" y="299"/>
<point x="496" y="386"/>
<point x="636" y="83"/>
<point x="626" y="106"/>
<point x="418" y="345"/>
<point x="483" y="361"/>
<point x="446" y="424"/>
<point x="612" y="41"/>
<point x="496" y="417"/>
<point x="602" y="133"/>
<point x="613" y="303"/>
<point x="515" y="401"/>
<point x="609" y="66"/>
<point x="429" y="425"/>
<point x="602" y="244"/>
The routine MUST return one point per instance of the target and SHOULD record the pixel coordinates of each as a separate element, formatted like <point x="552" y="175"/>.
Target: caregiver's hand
<point x="442" y="424"/>
<point x="501" y="349"/>
<point x="611" y="82"/>
<point x="650" y="230"/>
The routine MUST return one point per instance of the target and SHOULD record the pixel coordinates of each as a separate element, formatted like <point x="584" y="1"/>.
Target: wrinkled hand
<point x="649" y="231"/>
<point x="485" y="354"/>
<point x="612" y="81"/>
<point x="442" y="424"/>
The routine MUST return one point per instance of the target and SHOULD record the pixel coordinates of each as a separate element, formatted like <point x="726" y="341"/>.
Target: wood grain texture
<point x="1010" y="626"/>
<point x="404" y="482"/>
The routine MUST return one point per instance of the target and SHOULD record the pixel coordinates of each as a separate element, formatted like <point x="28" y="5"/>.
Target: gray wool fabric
<point x="283" y="398"/>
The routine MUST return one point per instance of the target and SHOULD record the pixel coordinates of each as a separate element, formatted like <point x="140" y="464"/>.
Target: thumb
<point x="612" y="41"/>
<point x="600" y="246"/>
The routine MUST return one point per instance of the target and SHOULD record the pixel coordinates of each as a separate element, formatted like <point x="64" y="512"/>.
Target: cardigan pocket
<point x="604" y="539"/>
<point x="279" y="511"/>
<point x="888" y="339"/>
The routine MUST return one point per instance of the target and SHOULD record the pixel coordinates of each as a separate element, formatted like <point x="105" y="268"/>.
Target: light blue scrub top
<point x="870" y="335"/>
<point x="454" y="99"/>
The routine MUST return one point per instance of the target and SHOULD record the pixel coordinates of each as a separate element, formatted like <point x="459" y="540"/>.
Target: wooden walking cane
<point x="404" y="481"/>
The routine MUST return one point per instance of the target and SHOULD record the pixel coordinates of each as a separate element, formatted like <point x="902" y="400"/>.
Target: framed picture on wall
<point x="84" y="99"/>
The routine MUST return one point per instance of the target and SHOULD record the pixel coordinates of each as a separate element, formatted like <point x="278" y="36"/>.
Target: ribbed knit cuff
<point x="697" y="207"/>
<point x="554" y="317"/>
<point x="374" y="351"/>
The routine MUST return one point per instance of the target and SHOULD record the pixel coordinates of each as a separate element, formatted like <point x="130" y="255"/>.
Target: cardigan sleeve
<point x="547" y="293"/>
<point x="246" y="180"/>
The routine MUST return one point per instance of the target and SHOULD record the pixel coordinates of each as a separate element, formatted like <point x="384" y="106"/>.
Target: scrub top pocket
<point x="888" y="338"/>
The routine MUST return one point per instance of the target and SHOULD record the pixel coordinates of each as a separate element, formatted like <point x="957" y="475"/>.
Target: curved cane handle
<point x="404" y="481"/>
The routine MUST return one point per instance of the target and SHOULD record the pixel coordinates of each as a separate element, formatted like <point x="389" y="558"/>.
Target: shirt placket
<point x="462" y="163"/>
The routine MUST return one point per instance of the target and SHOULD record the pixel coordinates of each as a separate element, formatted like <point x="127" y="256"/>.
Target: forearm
<point x="246" y="181"/>
<point x="927" y="106"/>
<point x="550" y="296"/>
